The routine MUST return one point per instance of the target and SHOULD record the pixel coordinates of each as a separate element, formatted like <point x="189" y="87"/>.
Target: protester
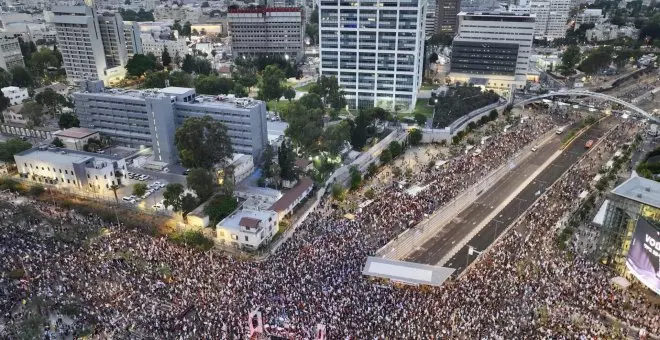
<point x="132" y="286"/>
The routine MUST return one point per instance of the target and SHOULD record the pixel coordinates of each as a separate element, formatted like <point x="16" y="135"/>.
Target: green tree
<point x="188" y="204"/>
<point x="220" y="207"/>
<point x="415" y="136"/>
<point x="335" y="136"/>
<point x="371" y="170"/>
<point x="356" y="178"/>
<point x="201" y="182"/>
<point x="359" y="132"/>
<point x="187" y="29"/>
<point x="267" y="161"/>
<point x="4" y="103"/>
<point x="139" y="64"/>
<point x="440" y="39"/>
<point x="330" y="92"/>
<point x="311" y="101"/>
<point x="385" y="156"/>
<point x="289" y="93"/>
<point x="287" y="160"/>
<point x="338" y="192"/>
<point x="5" y="78"/>
<point x="155" y="80"/>
<point x="50" y="99"/>
<point x="11" y="147"/>
<point x="58" y="142"/>
<point x="420" y="119"/>
<point x="271" y="83"/>
<point x="213" y="85"/>
<point x="395" y="149"/>
<point x="181" y="79"/>
<point x="305" y="126"/>
<point x="202" y="143"/>
<point x="240" y="91"/>
<point x="68" y="120"/>
<point x="21" y="77"/>
<point x="172" y="196"/>
<point x="165" y="57"/>
<point x="40" y="61"/>
<point x="139" y="189"/>
<point x="33" y="112"/>
<point x="597" y="60"/>
<point x="569" y="59"/>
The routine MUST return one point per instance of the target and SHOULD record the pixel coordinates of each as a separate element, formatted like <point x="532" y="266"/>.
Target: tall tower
<point x="79" y="41"/>
<point x="374" y="49"/>
<point x="112" y="37"/>
<point x="447" y="16"/>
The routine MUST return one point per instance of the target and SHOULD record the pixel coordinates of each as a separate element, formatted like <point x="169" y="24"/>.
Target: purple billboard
<point x="644" y="255"/>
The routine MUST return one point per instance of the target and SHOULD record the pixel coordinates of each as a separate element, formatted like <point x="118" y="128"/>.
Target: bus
<point x="589" y="144"/>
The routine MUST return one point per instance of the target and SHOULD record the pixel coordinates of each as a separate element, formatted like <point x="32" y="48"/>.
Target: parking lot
<point x="153" y="198"/>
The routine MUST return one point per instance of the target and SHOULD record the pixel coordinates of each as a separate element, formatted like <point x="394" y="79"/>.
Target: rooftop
<point x="246" y="219"/>
<point x="75" y="132"/>
<point x="290" y="196"/>
<point x="52" y="154"/>
<point x="640" y="189"/>
<point x="264" y="10"/>
<point x="407" y="272"/>
<point x="176" y="90"/>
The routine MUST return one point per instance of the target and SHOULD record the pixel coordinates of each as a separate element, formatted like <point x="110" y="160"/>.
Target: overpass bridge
<point x="586" y="93"/>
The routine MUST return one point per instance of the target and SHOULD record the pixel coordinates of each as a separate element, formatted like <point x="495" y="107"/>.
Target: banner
<point x="644" y="255"/>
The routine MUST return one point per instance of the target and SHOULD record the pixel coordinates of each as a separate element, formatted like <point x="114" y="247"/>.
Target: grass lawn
<point x="276" y="106"/>
<point x="421" y="106"/>
<point x="305" y="88"/>
<point x="427" y="86"/>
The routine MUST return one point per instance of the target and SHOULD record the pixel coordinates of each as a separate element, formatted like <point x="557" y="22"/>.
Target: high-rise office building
<point x="79" y="41"/>
<point x="267" y="31"/>
<point x="492" y="50"/>
<point x="132" y="38"/>
<point x="374" y="48"/>
<point x="114" y="41"/>
<point x="431" y="21"/>
<point x="447" y="16"/>
<point x="149" y="117"/>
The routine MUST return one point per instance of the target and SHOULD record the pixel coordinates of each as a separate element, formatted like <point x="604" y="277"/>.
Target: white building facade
<point x="247" y="229"/>
<point x="79" y="41"/>
<point x="493" y="49"/>
<point x="374" y="49"/>
<point x="10" y="52"/>
<point x="174" y="13"/>
<point x="157" y="46"/>
<point x="16" y="95"/>
<point x="70" y="169"/>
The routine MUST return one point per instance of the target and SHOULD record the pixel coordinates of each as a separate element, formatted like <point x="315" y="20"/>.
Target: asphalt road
<point x="441" y="245"/>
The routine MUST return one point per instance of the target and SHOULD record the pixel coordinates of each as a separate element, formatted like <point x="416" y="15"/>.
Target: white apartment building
<point x="589" y="16"/>
<point x="156" y="46"/>
<point x="178" y="13"/>
<point x="76" y="170"/>
<point x="16" y="95"/>
<point x="247" y="228"/>
<point x="267" y="31"/>
<point x="10" y="52"/>
<point x="79" y="40"/>
<point x="374" y="48"/>
<point x="605" y="32"/>
<point x="556" y="12"/>
<point x="12" y="115"/>
<point x="132" y="38"/>
<point x="493" y="49"/>
<point x="114" y="41"/>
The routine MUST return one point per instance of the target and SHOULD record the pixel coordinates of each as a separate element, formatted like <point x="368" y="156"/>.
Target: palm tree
<point x="114" y="188"/>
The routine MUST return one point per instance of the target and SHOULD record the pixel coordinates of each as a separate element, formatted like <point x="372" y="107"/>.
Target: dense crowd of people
<point x="133" y="286"/>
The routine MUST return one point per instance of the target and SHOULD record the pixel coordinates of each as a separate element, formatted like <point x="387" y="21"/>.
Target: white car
<point x="157" y="206"/>
<point x="535" y="148"/>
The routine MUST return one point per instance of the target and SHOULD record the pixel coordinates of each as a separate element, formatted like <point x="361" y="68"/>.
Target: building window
<point x="234" y="237"/>
<point x="87" y="175"/>
<point x="246" y="239"/>
<point x="60" y="170"/>
<point x="221" y="233"/>
<point x="66" y="172"/>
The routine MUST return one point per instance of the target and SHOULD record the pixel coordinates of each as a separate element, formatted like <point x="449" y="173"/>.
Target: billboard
<point x="644" y="255"/>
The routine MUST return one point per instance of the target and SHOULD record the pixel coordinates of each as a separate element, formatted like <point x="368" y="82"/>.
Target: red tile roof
<point x="290" y="196"/>
<point x="249" y="222"/>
